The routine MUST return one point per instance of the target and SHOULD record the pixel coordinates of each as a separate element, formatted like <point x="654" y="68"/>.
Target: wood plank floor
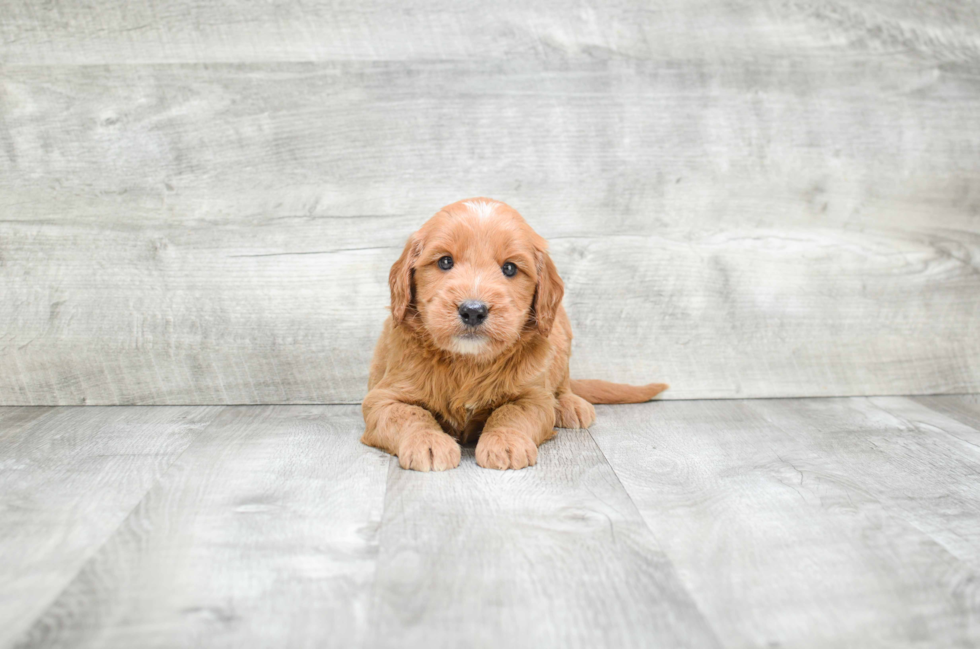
<point x="758" y="523"/>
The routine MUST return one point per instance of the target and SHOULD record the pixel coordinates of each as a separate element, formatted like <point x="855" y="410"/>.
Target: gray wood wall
<point x="199" y="202"/>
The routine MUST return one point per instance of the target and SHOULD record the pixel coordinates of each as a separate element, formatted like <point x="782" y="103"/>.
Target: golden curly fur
<point x="435" y="382"/>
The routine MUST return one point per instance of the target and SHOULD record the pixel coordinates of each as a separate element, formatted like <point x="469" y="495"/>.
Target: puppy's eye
<point x="509" y="269"/>
<point x="446" y="262"/>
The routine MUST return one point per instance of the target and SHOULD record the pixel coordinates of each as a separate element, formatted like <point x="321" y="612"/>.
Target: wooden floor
<point x="765" y="523"/>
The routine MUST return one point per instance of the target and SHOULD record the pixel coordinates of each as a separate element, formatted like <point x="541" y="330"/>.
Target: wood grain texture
<point x="262" y="534"/>
<point x="13" y="421"/>
<point x="920" y="464"/>
<point x="156" y="31"/>
<point x="808" y="523"/>
<point x="964" y="408"/>
<point x="796" y="522"/>
<point x="222" y="234"/>
<point x="199" y="202"/>
<point x="551" y="556"/>
<point x="68" y="478"/>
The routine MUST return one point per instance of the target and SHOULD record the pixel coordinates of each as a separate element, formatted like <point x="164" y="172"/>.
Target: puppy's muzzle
<point x="473" y="313"/>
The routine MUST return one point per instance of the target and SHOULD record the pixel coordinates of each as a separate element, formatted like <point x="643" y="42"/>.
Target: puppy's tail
<point x="595" y="391"/>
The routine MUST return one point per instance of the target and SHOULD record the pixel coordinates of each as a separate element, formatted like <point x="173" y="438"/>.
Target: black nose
<point x="473" y="313"/>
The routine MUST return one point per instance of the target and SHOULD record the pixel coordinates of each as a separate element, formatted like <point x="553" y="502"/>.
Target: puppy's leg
<point x="513" y="432"/>
<point x="408" y="431"/>
<point x="573" y="411"/>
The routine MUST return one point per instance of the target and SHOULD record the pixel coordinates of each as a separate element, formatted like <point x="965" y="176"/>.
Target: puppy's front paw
<point x="574" y="412"/>
<point x="506" y="448"/>
<point x="428" y="451"/>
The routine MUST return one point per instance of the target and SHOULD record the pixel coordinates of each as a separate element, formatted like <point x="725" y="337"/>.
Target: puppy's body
<point x="442" y="373"/>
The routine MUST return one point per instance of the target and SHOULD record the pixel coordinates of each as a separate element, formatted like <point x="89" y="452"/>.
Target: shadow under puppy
<point x="477" y="346"/>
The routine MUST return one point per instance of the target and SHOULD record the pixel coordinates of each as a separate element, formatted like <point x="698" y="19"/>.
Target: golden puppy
<point x="477" y="344"/>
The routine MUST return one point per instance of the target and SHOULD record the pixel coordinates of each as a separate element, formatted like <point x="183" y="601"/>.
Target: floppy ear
<point x="548" y="293"/>
<point x="400" y="278"/>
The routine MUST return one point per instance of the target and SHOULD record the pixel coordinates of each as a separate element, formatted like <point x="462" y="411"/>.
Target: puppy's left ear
<point x="548" y="293"/>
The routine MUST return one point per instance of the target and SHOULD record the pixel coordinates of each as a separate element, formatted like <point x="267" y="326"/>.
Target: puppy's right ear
<point x="400" y="278"/>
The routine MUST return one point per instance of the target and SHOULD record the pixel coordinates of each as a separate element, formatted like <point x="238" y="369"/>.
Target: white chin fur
<point x="469" y="344"/>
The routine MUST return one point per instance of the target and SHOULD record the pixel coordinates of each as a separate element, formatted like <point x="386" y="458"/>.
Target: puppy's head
<point x="476" y="277"/>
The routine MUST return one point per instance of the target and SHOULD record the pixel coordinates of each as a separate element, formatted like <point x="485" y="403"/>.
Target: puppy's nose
<point x="473" y="313"/>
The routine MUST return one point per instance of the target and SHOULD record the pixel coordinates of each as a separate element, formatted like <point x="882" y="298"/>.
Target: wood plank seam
<point x="108" y="537"/>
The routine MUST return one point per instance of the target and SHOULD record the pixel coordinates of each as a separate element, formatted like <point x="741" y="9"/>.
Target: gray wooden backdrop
<point x="199" y="201"/>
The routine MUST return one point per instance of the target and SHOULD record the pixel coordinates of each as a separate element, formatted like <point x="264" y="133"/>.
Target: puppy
<point x="477" y="347"/>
